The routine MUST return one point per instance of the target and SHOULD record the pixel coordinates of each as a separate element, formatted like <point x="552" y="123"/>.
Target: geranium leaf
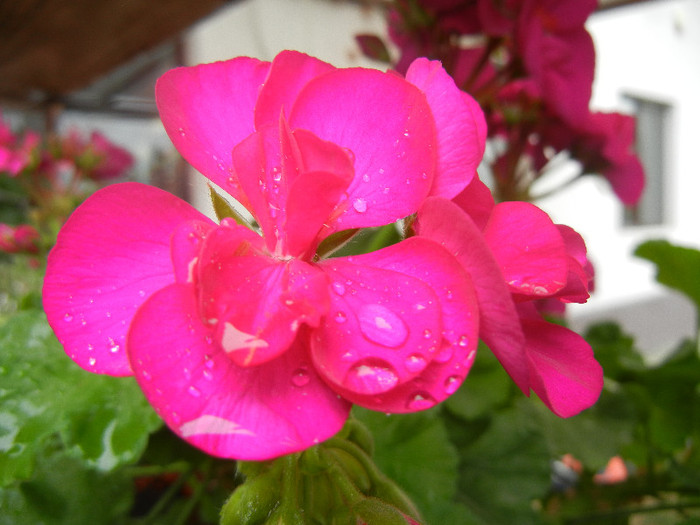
<point x="103" y="421"/>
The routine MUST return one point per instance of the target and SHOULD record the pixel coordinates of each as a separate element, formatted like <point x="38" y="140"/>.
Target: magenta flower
<point x="515" y="256"/>
<point x="605" y="145"/>
<point x="245" y="342"/>
<point x="112" y="161"/>
<point x="558" y="53"/>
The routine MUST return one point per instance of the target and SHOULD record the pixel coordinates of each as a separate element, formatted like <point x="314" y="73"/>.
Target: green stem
<point x="168" y="496"/>
<point x="196" y="495"/>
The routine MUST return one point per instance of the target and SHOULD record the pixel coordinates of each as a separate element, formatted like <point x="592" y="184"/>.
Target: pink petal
<point x="383" y="326"/>
<point x="387" y="125"/>
<point x="460" y="125"/>
<point x="280" y="172"/>
<point x="290" y="71"/>
<point x="477" y="200"/>
<point x="253" y="413"/>
<point x="563" y="369"/>
<point x="440" y="371"/>
<point x="529" y="249"/>
<point x="257" y="303"/>
<point x="110" y="256"/>
<point x="444" y="222"/>
<point x="208" y="109"/>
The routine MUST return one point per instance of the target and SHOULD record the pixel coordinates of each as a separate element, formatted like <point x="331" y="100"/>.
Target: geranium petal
<point x="444" y="222"/>
<point x="460" y="125"/>
<point x="446" y="365"/>
<point x="253" y="413"/>
<point x="280" y="172"/>
<point x="563" y="369"/>
<point x="290" y="71"/>
<point x="529" y="249"/>
<point x="208" y="109"/>
<point x="477" y="200"/>
<point x="110" y="256"/>
<point x="383" y="326"/>
<point x="257" y="303"/>
<point x="387" y="125"/>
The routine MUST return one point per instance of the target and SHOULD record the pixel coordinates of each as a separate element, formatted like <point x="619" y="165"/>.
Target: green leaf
<point x="103" y="421"/>
<point x="505" y="470"/>
<point x="414" y="451"/>
<point x="677" y="267"/>
<point x="486" y="388"/>
<point x="66" y="492"/>
<point x="373" y="47"/>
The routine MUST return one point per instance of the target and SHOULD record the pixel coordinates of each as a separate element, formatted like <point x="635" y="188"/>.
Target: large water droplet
<point x="68" y="318"/>
<point x="301" y="377"/>
<point x="415" y="363"/>
<point x="452" y="384"/>
<point x="371" y="376"/>
<point x="360" y="205"/>
<point x="338" y="288"/>
<point x="420" y="401"/>
<point x="92" y="361"/>
<point x="341" y="317"/>
<point x="382" y="326"/>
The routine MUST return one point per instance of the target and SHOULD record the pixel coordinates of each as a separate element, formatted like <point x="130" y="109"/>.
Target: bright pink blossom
<point x="15" y="150"/>
<point x="246" y="344"/>
<point x="515" y="256"/>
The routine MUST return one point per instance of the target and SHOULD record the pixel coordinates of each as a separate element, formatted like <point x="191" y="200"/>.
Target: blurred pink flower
<point x="246" y="344"/>
<point x="18" y="239"/>
<point x="112" y="161"/>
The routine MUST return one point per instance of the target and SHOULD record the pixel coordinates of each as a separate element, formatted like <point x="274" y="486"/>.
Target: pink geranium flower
<point x="247" y="344"/>
<point x="112" y="161"/>
<point x="558" y="53"/>
<point x="515" y="256"/>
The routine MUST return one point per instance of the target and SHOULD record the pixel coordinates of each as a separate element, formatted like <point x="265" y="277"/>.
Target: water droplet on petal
<point x="366" y="177"/>
<point x="301" y="377"/>
<point x="415" y="363"/>
<point x="146" y="375"/>
<point x="427" y="333"/>
<point x="193" y="391"/>
<point x="463" y="341"/>
<point x="113" y="346"/>
<point x="207" y="375"/>
<point x="182" y="132"/>
<point x="68" y="318"/>
<point x="452" y="383"/>
<point x="420" y="401"/>
<point x="92" y="361"/>
<point x="371" y="376"/>
<point x="360" y="205"/>
<point x="381" y="325"/>
<point x="338" y="288"/>
<point x="340" y="317"/>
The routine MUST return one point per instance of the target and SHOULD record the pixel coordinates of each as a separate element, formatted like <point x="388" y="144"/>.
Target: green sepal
<point x="334" y="242"/>
<point x="224" y="210"/>
<point x="373" y="511"/>
<point x="253" y="502"/>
